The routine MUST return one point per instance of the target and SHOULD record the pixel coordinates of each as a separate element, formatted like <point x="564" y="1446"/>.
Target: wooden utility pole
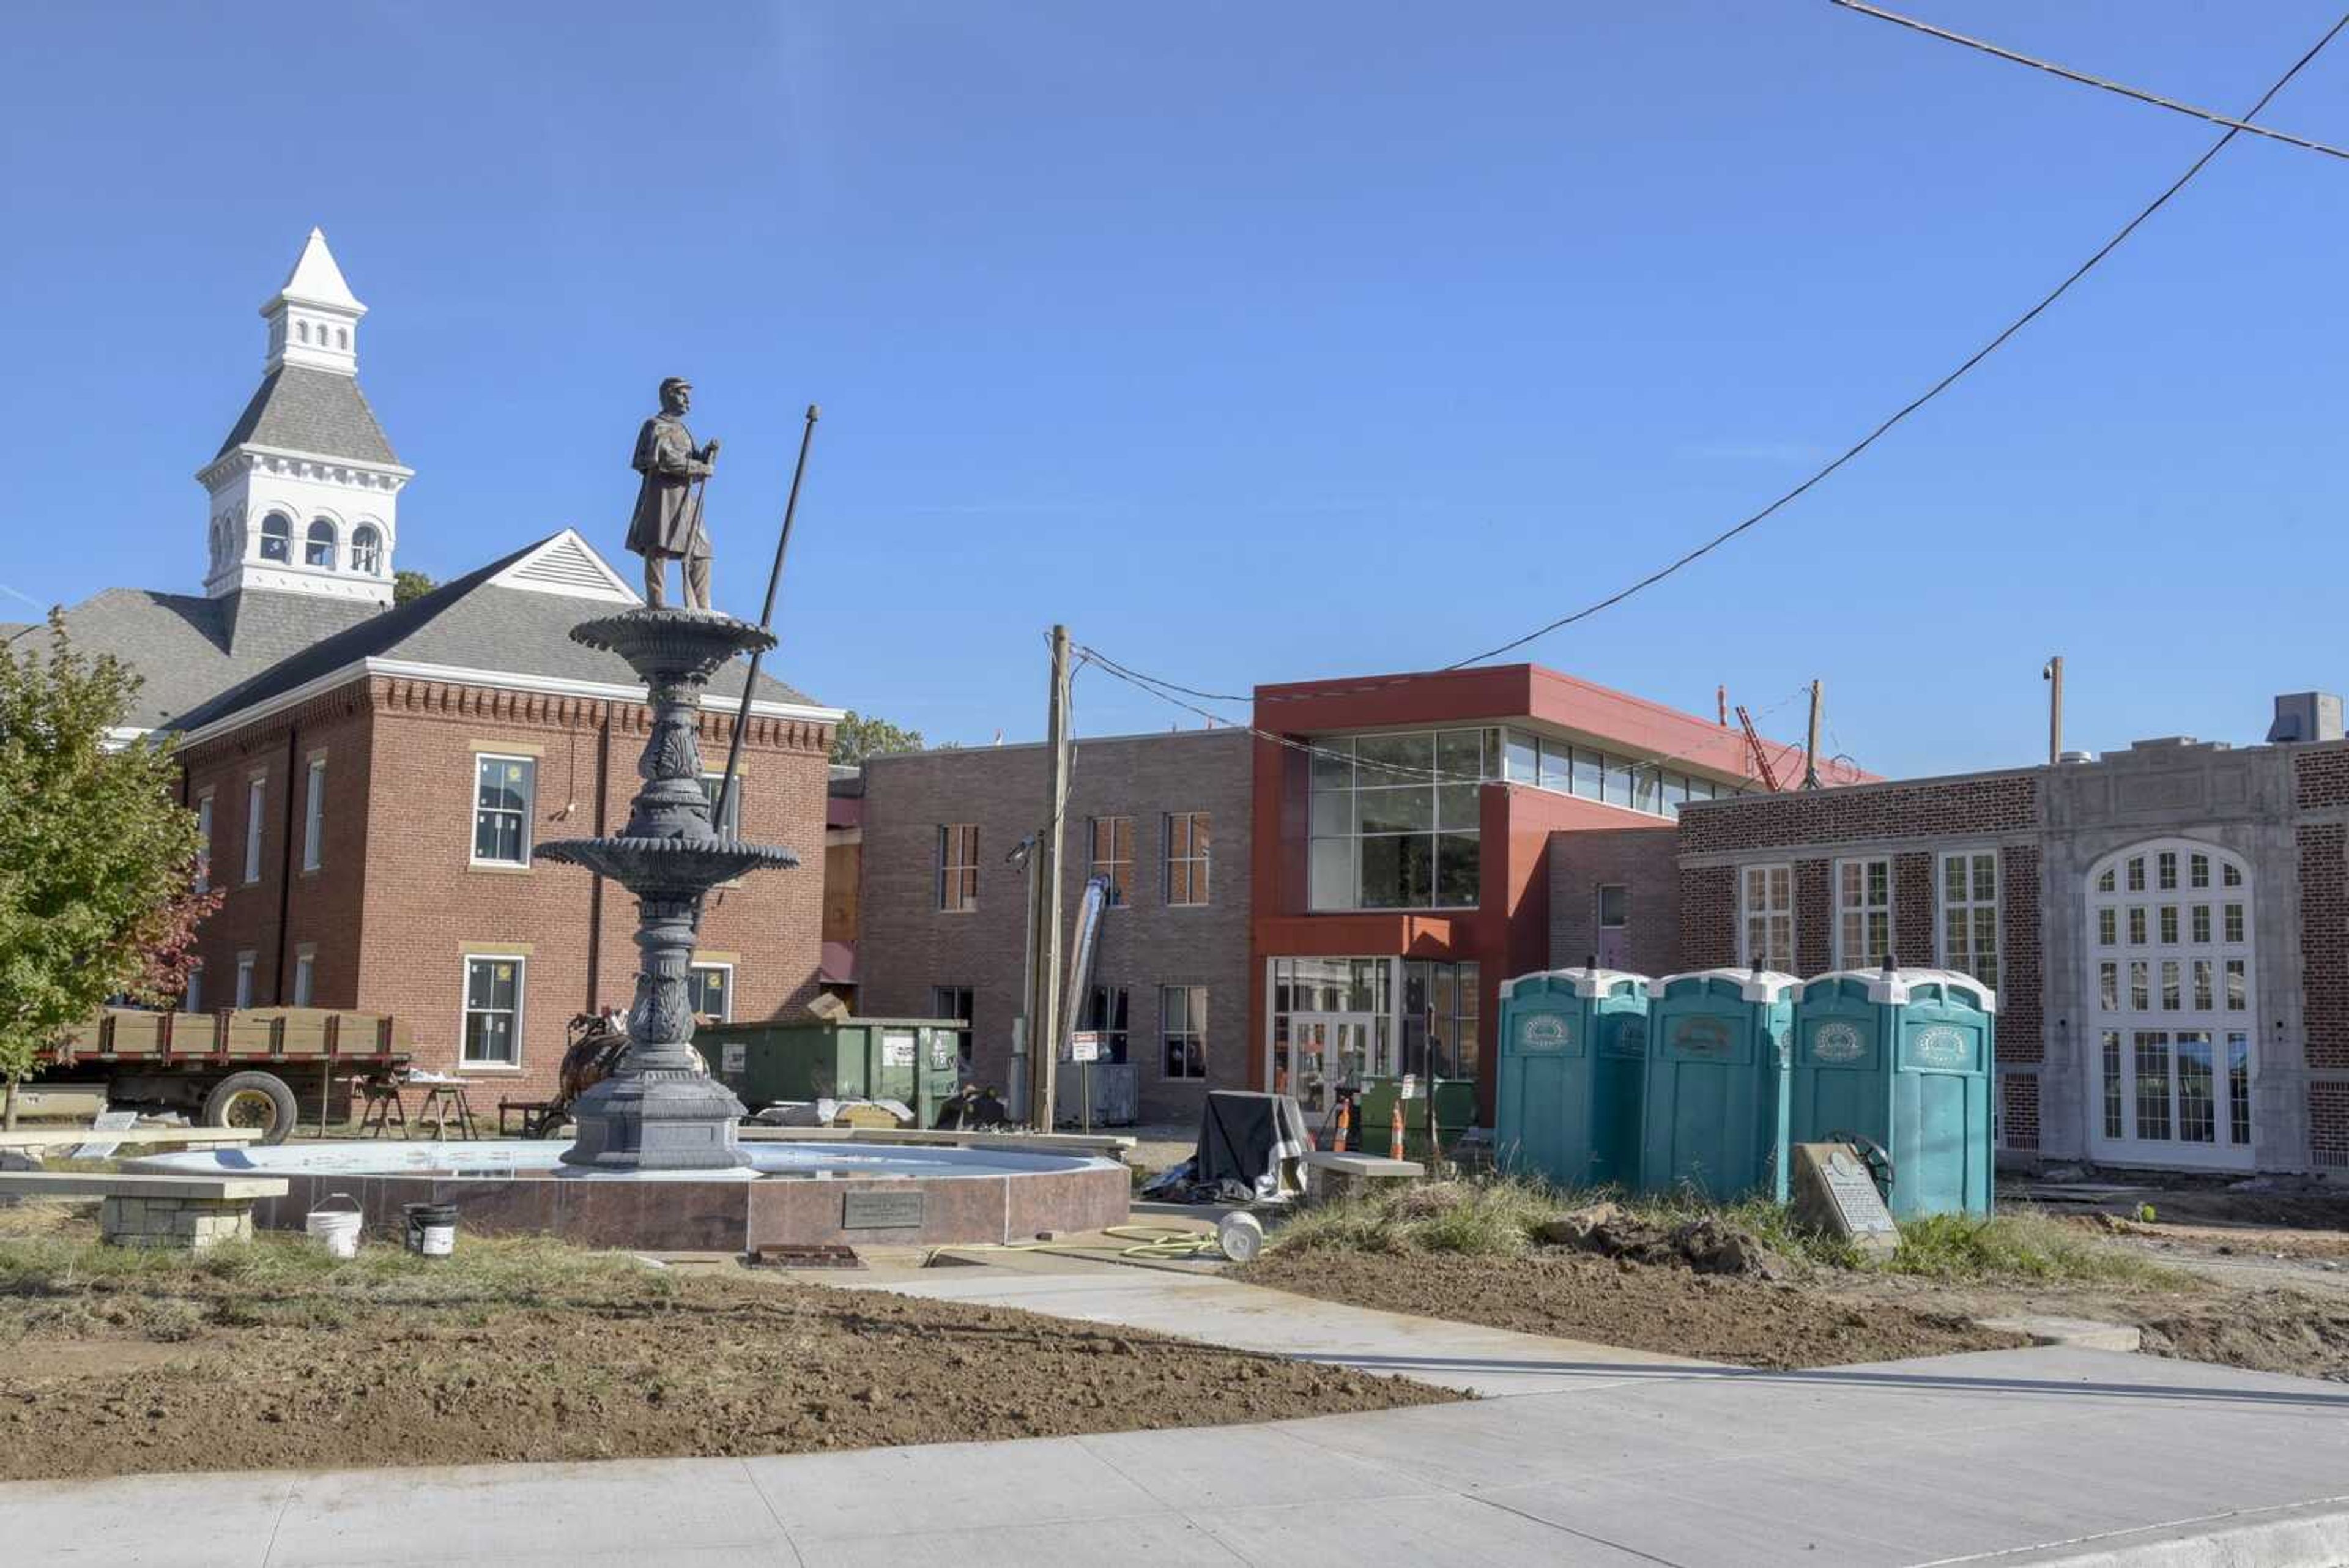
<point x="1044" y="1023"/>
<point x="2053" y="674"/>
<point x="1811" y="751"/>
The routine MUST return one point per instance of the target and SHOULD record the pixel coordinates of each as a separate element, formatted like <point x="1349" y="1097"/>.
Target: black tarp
<point x="1248" y="1138"/>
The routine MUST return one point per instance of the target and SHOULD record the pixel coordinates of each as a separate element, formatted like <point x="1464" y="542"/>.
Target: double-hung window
<point x="245" y="966"/>
<point x="493" y="999"/>
<point x="710" y="992"/>
<point x="194" y="1000"/>
<point x="1104" y="1014"/>
<point x="1969" y="914"/>
<point x="1863" y="912"/>
<point x="314" y="815"/>
<point x="1186" y="857"/>
<point x="959" y="866"/>
<point x="731" y="827"/>
<point x="306" y="975"/>
<point x="1765" y="917"/>
<point x="1183" y="1026"/>
<point x="1113" y="856"/>
<point x="955" y="1001"/>
<point x="504" y="791"/>
<point x="256" y="797"/>
<point x="203" y="845"/>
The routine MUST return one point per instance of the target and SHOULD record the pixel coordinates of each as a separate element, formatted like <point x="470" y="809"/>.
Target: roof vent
<point x="2076" y="757"/>
<point x="2306" y="716"/>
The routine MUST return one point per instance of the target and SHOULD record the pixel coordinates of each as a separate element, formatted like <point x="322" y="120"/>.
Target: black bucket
<point x="431" y="1228"/>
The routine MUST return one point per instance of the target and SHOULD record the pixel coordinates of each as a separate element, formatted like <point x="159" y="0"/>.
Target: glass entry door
<point x="1326" y="1052"/>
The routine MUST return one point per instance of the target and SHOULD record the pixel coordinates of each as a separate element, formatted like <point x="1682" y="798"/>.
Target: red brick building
<point x="373" y="781"/>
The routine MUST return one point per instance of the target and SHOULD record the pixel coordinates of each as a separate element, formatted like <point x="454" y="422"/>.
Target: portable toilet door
<point x="1717" y="1081"/>
<point x="1567" y="1103"/>
<point x="1843" y="1062"/>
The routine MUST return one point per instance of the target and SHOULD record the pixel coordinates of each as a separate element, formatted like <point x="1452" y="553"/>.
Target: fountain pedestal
<point x="661" y="1110"/>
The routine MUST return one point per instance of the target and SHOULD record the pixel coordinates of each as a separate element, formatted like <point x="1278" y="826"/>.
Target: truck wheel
<point x="253" y="1100"/>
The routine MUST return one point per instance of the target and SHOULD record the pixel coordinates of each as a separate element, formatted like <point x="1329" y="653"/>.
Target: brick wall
<point x="1915" y="943"/>
<point x="906" y="945"/>
<point x="2321" y="777"/>
<point x="2328" y="1124"/>
<point x="2020" y="1030"/>
<point x="1999" y="803"/>
<point x="1708" y="936"/>
<point x="2018" y="1094"/>
<point x="1640" y="860"/>
<point x="1813" y="916"/>
<point x="2324" y="941"/>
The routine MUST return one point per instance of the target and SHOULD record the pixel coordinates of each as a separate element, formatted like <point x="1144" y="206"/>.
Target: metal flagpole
<point x="766" y="623"/>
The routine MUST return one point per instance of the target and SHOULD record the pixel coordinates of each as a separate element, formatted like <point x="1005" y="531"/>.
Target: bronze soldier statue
<point x="667" y="524"/>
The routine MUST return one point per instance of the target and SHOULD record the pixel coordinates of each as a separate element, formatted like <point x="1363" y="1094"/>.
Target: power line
<point x="1935" y="390"/>
<point x="2085" y="79"/>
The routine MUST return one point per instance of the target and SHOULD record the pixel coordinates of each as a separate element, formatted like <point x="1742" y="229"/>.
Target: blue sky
<point x="1257" y="343"/>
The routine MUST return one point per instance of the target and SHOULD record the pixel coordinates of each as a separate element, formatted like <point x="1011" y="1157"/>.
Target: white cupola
<point x="304" y="491"/>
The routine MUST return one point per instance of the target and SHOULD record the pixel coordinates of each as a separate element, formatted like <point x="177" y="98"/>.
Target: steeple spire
<point x="314" y="319"/>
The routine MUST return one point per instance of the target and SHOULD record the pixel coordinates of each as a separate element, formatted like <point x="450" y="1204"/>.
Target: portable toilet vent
<point x="1901" y="1058"/>
<point x="1573" y="1060"/>
<point x="1714" y="1117"/>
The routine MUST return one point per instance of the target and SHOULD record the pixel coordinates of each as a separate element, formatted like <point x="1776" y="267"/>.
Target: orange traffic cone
<point x="1395" y="1133"/>
<point x="1342" y="1119"/>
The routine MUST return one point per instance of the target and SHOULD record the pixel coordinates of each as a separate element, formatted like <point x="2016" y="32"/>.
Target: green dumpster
<point x="1573" y="1064"/>
<point x="1455" y="1113"/>
<point x="911" y="1060"/>
<point x="1901" y="1058"/>
<point x="1715" y="1111"/>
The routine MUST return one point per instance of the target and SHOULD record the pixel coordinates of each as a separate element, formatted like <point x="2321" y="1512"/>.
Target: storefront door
<point x="1326" y="1052"/>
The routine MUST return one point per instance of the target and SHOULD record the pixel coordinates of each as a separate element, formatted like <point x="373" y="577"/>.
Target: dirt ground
<point x="1750" y="1323"/>
<point x="181" y="1367"/>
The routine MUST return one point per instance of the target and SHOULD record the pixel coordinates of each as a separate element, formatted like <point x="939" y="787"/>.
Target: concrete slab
<point x="2088" y="1334"/>
<point x="1143" y="1541"/>
<point x="943" y="1488"/>
<point x="145" y="1521"/>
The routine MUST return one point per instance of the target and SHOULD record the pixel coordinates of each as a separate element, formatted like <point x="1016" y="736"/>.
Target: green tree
<point x="406" y="585"/>
<point x="96" y="861"/>
<point x="859" y="737"/>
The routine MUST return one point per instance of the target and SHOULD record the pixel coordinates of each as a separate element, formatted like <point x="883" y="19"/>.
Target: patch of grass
<point x="2026" y="1246"/>
<point x="1481" y="1218"/>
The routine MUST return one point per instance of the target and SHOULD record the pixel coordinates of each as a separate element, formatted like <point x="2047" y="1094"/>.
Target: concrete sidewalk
<point x="2008" y="1457"/>
<point x="1204" y="1305"/>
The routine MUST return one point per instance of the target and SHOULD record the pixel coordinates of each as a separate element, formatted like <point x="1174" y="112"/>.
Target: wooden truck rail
<point x="238" y="1063"/>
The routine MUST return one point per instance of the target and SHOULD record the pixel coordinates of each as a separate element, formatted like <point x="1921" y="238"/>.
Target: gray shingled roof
<point x="302" y="409"/>
<point x="189" y="649"/>
<point x="468" y="624"/>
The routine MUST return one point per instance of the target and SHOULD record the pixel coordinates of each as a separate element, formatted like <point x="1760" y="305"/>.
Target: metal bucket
<point x="431" y="1228"/>
<point x="336" y="1228"/>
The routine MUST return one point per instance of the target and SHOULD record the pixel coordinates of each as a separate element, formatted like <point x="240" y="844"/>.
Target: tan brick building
<point x="373" y="781"/>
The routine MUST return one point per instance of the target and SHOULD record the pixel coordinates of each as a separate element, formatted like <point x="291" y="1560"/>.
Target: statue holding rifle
<point x="667" y="524"/>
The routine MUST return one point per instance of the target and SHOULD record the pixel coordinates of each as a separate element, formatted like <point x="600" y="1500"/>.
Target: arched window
<point x="302" y="330"/>
<point x="366" y="550"/>
<point x="342" y="336"/>
<point x="320" y="550"/>
<point x="2171" y="1046"/>
<point x="277" y="537"/>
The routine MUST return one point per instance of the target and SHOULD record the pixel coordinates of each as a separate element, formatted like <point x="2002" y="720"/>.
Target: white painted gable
<point x="568" y="566"/>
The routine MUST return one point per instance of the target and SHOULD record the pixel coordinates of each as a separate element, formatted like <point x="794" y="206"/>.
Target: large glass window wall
<point x="1394" y="818"/>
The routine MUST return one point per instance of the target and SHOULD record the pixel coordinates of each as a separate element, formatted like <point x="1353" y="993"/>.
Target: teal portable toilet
<point x="1573" y="1043"/>
<point x="1714" y="1115"/>
<point x="1901" y="1058"/>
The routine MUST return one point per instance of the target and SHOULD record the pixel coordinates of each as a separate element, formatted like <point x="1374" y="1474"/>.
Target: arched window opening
<point x="302" y="330"/>
<point x="342" y="336"/>
<point x="277" y="537"/>
<point x="319" y="551"/>
<point x="366" y="550"/>
<point x="2171" y="966"/>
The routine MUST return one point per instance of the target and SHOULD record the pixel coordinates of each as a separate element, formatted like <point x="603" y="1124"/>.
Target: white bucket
<point x="338" y="1229"/>
<point x="1239" y="1236"/>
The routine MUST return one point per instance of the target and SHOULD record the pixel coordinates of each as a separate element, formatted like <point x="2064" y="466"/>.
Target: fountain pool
<point x="791" y="1193"/>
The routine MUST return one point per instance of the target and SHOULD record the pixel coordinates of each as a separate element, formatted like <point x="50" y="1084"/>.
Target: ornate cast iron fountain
<point x="661" y="1110"/>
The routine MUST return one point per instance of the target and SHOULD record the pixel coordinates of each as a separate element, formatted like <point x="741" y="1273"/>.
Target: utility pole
<point x="2054" y="675"/>
<point x="1811" y="754"/>
<point x="1044" y="1022"/>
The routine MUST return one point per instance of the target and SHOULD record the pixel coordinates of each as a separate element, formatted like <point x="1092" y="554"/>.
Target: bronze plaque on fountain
<point x="881" y="1211"/>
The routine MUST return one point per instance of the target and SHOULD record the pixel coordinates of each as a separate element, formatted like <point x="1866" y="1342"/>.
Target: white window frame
<point x="1746" y="914"/>
<point x="204" y="841"/>
<point x="306" y="975"/>
<point x="256" y="800"/>
<point x="964" y="873"/>
<point x="314" y="815"/>
<point x="528" y="809"/>
<point x="1845" y="911"/>
<point x="710" y="785"/>
<point x="1598" y="910"/>
<point x="193" y="1001"/>
<point x="245" y="963"/>
<point x="465" y="1008"/>
<point x="713" y="966"/>
<point x="1943" y="905"/>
